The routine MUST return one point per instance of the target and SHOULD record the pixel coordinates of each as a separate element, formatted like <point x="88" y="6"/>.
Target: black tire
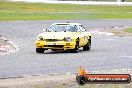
<point x="81" y="80"/>
<point x="40" y="50"/>
<point x="76" y="49"/>
<point x="87" y="46"/>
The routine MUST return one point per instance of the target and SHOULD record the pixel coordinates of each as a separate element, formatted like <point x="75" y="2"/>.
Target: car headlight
<point x="40" y="38"/>
<point x="68" y="39"/>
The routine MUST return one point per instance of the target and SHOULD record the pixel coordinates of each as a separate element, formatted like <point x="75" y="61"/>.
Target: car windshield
<point x="63" y="28"/>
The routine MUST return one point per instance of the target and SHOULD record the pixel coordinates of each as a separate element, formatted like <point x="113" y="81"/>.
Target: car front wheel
<point x="40" y="50"/>
<point x="76" y="49"/>
<point x="87" y="46"/>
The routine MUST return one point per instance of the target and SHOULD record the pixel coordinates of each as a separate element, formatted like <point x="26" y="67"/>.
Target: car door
<point x="82" y="36"/>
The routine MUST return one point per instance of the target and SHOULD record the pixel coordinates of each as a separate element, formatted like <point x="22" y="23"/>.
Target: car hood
<point x="59" y="35"/>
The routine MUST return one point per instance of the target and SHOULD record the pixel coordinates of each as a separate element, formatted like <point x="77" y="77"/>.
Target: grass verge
<point x="129" y="30"/>
<point x="43" y="11"/>
<point x="59" y="16"/>
<point x="124" y="32"/>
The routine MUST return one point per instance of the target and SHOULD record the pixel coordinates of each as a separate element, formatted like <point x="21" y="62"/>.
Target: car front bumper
<point x="55" y="45"/>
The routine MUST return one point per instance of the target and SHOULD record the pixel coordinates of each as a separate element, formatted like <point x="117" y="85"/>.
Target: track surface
<point x="108" y="52"/>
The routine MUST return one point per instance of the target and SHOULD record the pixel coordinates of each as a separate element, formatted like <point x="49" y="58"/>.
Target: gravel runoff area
<point x="6" y="46"/>
<point x="59" y="81"/>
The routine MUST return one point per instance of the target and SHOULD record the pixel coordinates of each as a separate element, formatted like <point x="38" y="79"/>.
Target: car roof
<point x="66" y="23"/>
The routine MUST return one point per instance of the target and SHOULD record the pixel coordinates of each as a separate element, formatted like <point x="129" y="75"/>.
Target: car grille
<point x="52" y="40"/>
<point x="56" y="46"/>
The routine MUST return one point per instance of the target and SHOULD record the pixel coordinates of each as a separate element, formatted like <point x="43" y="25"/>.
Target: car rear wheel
<point x="40" y="50"/>
<point x="88" y="45"/>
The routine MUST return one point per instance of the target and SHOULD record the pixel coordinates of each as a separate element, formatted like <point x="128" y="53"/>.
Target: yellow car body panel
<point x="55" y="45"/>
<point x="59" y="36"/>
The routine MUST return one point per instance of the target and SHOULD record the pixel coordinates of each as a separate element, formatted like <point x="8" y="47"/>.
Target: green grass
<point x="43" y="11"/>
<point x="129" y="30"/>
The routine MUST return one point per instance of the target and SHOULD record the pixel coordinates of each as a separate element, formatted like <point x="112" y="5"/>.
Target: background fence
<point x="100" y="0"/>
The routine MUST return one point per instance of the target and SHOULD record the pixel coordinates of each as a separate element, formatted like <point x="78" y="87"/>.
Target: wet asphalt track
<point x="108" y="52"/>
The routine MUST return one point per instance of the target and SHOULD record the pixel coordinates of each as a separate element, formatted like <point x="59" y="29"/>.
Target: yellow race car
<point x="63" y="36"/>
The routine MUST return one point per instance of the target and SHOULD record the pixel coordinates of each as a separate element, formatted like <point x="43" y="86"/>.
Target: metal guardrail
<point x="80" y="2"/>
<point x="89" y="2"/>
